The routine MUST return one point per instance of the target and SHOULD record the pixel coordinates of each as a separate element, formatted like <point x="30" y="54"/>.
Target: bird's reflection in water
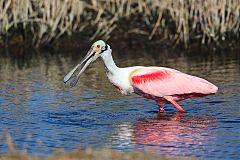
<point x="174" y="134"/>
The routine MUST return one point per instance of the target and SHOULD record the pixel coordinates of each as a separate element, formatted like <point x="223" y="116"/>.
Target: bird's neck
<point x="109" y="62"/>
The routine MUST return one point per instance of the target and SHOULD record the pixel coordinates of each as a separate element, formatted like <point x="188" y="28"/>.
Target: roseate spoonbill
<point x="164" y="85"/>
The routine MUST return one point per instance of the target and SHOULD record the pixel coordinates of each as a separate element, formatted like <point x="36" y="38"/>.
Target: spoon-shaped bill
<point x="69" y="75"/>
<point x="74" y="81"/>
<point x="88" y="57"/>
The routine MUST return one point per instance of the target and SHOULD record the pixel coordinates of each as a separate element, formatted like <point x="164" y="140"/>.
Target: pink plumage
<point x="164" y="85"/>
<point x="169" y="85"/>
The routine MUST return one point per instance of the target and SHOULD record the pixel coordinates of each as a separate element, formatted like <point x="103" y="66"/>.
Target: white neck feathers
<point x="108" y="61"/>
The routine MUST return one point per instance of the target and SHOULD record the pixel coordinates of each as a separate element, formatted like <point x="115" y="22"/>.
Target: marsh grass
<point x="90" y="154"/>
<point x="181" y="21"/>
<point x="86" y="154"/>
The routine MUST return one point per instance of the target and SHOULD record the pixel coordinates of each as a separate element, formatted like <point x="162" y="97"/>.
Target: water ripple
<point x="42" y="114"/>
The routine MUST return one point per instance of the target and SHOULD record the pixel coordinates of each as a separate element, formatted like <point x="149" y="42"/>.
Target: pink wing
<point x="160" y="81"/>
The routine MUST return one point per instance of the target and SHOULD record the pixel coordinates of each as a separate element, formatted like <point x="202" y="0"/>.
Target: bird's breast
<point x="119" y="88"/>
<point x="121" y="82"/>
<point x="123" y="89"/>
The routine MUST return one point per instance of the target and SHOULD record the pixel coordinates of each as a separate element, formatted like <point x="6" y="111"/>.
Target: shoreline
<point x="76" y="42"/>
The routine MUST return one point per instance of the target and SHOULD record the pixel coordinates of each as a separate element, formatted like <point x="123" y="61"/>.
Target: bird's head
<point x="94" y="52"/>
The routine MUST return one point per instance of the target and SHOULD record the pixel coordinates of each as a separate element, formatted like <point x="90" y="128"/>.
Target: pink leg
<point x="170" y="99"/>
<point x="161" y="106"/>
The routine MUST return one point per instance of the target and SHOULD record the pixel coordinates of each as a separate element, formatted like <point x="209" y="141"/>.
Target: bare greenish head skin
<point x="94" y="52"/>
<point x="98" y="47"/>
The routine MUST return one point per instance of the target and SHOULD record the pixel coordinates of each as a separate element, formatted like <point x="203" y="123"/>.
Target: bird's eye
<point x="98" y="46"/>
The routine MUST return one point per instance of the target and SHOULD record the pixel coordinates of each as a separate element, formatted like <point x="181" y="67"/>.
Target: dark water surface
<point x="42" y="114"/>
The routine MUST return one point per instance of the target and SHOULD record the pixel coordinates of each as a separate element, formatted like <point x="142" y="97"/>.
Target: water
<point x="42" y="114"/>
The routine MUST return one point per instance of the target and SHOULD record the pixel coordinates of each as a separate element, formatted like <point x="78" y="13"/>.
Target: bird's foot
<point x="161" y="109"/>
<point x="161" y="106"/>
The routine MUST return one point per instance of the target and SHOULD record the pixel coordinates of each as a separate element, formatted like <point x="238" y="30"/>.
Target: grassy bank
<point x="39" y="22"/>
<point x="87" y="154"/>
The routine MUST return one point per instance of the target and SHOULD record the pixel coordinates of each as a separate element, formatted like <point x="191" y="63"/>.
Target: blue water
<point x="41" y="114"/>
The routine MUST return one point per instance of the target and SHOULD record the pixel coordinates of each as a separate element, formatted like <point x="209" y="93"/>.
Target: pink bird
<point x="164" y="85"/>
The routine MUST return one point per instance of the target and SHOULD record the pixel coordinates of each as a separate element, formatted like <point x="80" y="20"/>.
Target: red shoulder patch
<point x="157" y="75"/>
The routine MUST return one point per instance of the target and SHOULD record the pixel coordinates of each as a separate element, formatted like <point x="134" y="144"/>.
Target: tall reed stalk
<point x="182" y="21"/>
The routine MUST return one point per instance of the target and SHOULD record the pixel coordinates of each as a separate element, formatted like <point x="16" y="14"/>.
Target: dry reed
<point x="182" y="21"/>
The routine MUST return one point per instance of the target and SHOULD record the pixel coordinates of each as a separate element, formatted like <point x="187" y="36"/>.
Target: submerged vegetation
<point x="182" y="21"/>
